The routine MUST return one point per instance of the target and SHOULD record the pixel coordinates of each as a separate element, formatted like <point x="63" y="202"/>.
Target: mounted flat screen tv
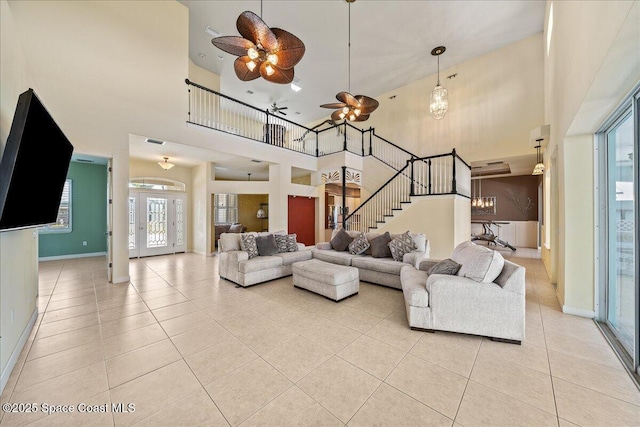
<point x="34" y="167"/>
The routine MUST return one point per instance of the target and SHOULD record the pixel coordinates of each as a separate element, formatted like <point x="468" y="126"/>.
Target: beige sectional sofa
<point x="381" y="271"/>
<point x="485" y="297"/>
<point x="236" y="266"/>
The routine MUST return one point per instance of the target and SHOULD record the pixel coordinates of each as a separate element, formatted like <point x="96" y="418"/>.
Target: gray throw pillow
<point x="359" y="244"/>
<point x="380" y="246"/>
<point x="401" y="245"/>
<point x="248" y="244"/>
<point x="341" y="240"/>
<point x="267" y="245"/>
<point x="446" y="266"/>
<point x="236" y="228"/>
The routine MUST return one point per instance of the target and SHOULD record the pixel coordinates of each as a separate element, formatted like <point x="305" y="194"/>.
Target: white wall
<point x="494" y="102"/>
<point x="593" y="61"/>
<point x="445" y="220"/>
<point x="18" y="249"/>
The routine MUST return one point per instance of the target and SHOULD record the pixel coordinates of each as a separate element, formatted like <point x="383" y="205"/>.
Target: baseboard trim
<point x="578" y="311"/>
<point x="121" y="279"/>
<point x="13" y="359"/>
<point x="71" y="256"/>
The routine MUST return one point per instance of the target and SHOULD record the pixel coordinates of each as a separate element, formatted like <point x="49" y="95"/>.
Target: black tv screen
<point x="34" y="166"/>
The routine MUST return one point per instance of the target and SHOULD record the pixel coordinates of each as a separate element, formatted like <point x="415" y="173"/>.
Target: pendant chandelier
<point x="166" y="165"/>
<point x="539" y="168"/>
<point x="270" y="53"/>
<point x="439" y="102"/>
<point x="353" y="108"/>
<point x="477" y="201"/>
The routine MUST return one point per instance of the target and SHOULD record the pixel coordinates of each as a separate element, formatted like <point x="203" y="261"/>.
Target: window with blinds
<point x="63" y="222"/>
<point x="226" y="208"/>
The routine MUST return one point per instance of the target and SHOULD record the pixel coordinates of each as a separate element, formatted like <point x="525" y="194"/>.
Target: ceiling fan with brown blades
<point x="353" y="108"/>
<point x="270" y="53"/>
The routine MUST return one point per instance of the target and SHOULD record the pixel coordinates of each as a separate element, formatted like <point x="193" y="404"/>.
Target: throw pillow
<point x="229" y="242"/>
<point x="359" y="244"/>
<point x="478" y="263"/>
<point x="292" y="242"/>
<point x="446" y="266"/>
<point x="236" y="228"/>
<point x="401" y="245"/>
<point x="286" y="243"/>
<point x="266" y="245"/>
<point x="341" y="240"/>
<point x="248" y="244"/>
<point x="380" y="246"/>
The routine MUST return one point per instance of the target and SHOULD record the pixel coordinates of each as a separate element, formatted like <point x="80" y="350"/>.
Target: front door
<point x="157" y="223"/>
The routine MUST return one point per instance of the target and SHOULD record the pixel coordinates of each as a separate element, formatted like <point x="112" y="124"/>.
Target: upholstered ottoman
<point x="335" y="282"/>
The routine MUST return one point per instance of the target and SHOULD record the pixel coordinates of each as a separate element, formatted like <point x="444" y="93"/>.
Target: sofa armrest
<point x="323" y="245"/>
<point x="414" y="258"/>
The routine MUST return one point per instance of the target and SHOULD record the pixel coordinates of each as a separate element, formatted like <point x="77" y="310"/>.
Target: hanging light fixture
<point x="166" y="165"/>
<point x="439" y="102"/>
<point x="353" y="108"/>
<point x="539" y="167"/>
<point x="270" y="53"/>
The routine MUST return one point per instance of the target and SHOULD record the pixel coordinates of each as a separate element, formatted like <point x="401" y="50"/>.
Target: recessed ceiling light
<point x="220" y="57"/>
<point x="202" y="55"/>
<point x="250" y="92"/>
<point x="297" y="112"/>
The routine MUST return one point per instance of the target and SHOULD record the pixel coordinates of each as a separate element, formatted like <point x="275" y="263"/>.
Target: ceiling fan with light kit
<point x="274" y="109"/>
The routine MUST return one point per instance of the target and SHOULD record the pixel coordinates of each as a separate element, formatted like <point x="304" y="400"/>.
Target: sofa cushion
<point x="401" y="245"/>
<point x="248" y="244"/>
<point x="229" y="242"/>
<point x="380" y="246"/>
<point x="266" y="245"/>
<point x="340" y="242"/>
<point x="381" y="265"/>
<point x="446" y="266"/>
<point x="289" y="258"/>
<point x="359" y="244"/>
<point x="324" y="272"/>
<point x="479" y="263"/>
<point x="334" y="257"/>
<point x="259" y="263"/>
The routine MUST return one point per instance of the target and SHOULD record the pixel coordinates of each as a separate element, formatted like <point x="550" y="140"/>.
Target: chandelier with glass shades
<point x="438" y="102"/>
<point x="477" y="201"/>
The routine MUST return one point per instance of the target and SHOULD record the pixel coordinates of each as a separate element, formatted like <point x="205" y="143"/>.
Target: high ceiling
<point x="391" y="43"/>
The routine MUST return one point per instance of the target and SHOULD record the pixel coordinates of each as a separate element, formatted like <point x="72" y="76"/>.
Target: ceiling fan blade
<point x="284" y="114"/>
<point x="347" y="98"/>
<point x="361" y="118"/>
<point x="335" y="116"/>
<point x="233" y="44"/>
<point x="252" y="27"/>
<point x="290" y="48"/>
<point x="334" y="105"/>
<point x="278" y="76"/>
<point x="243" y="73"/>
<point x="367" y="104"/>
<point x="282" y="108"/>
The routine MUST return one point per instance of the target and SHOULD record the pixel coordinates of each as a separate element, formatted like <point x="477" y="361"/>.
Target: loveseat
<point x="377" y="266"/>
<point x="476" y="291"/>
<point x="239" y="266"/>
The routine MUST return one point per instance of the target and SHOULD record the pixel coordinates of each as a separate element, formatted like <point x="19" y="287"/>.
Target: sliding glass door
<point x="621" y="231"/>
<point x="619" y="313"/>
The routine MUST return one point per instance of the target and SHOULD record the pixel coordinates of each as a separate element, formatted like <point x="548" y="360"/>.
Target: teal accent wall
<point x="88" y="214"/>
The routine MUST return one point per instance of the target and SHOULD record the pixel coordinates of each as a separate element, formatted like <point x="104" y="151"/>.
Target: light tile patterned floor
<point x="187" y="348"/>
